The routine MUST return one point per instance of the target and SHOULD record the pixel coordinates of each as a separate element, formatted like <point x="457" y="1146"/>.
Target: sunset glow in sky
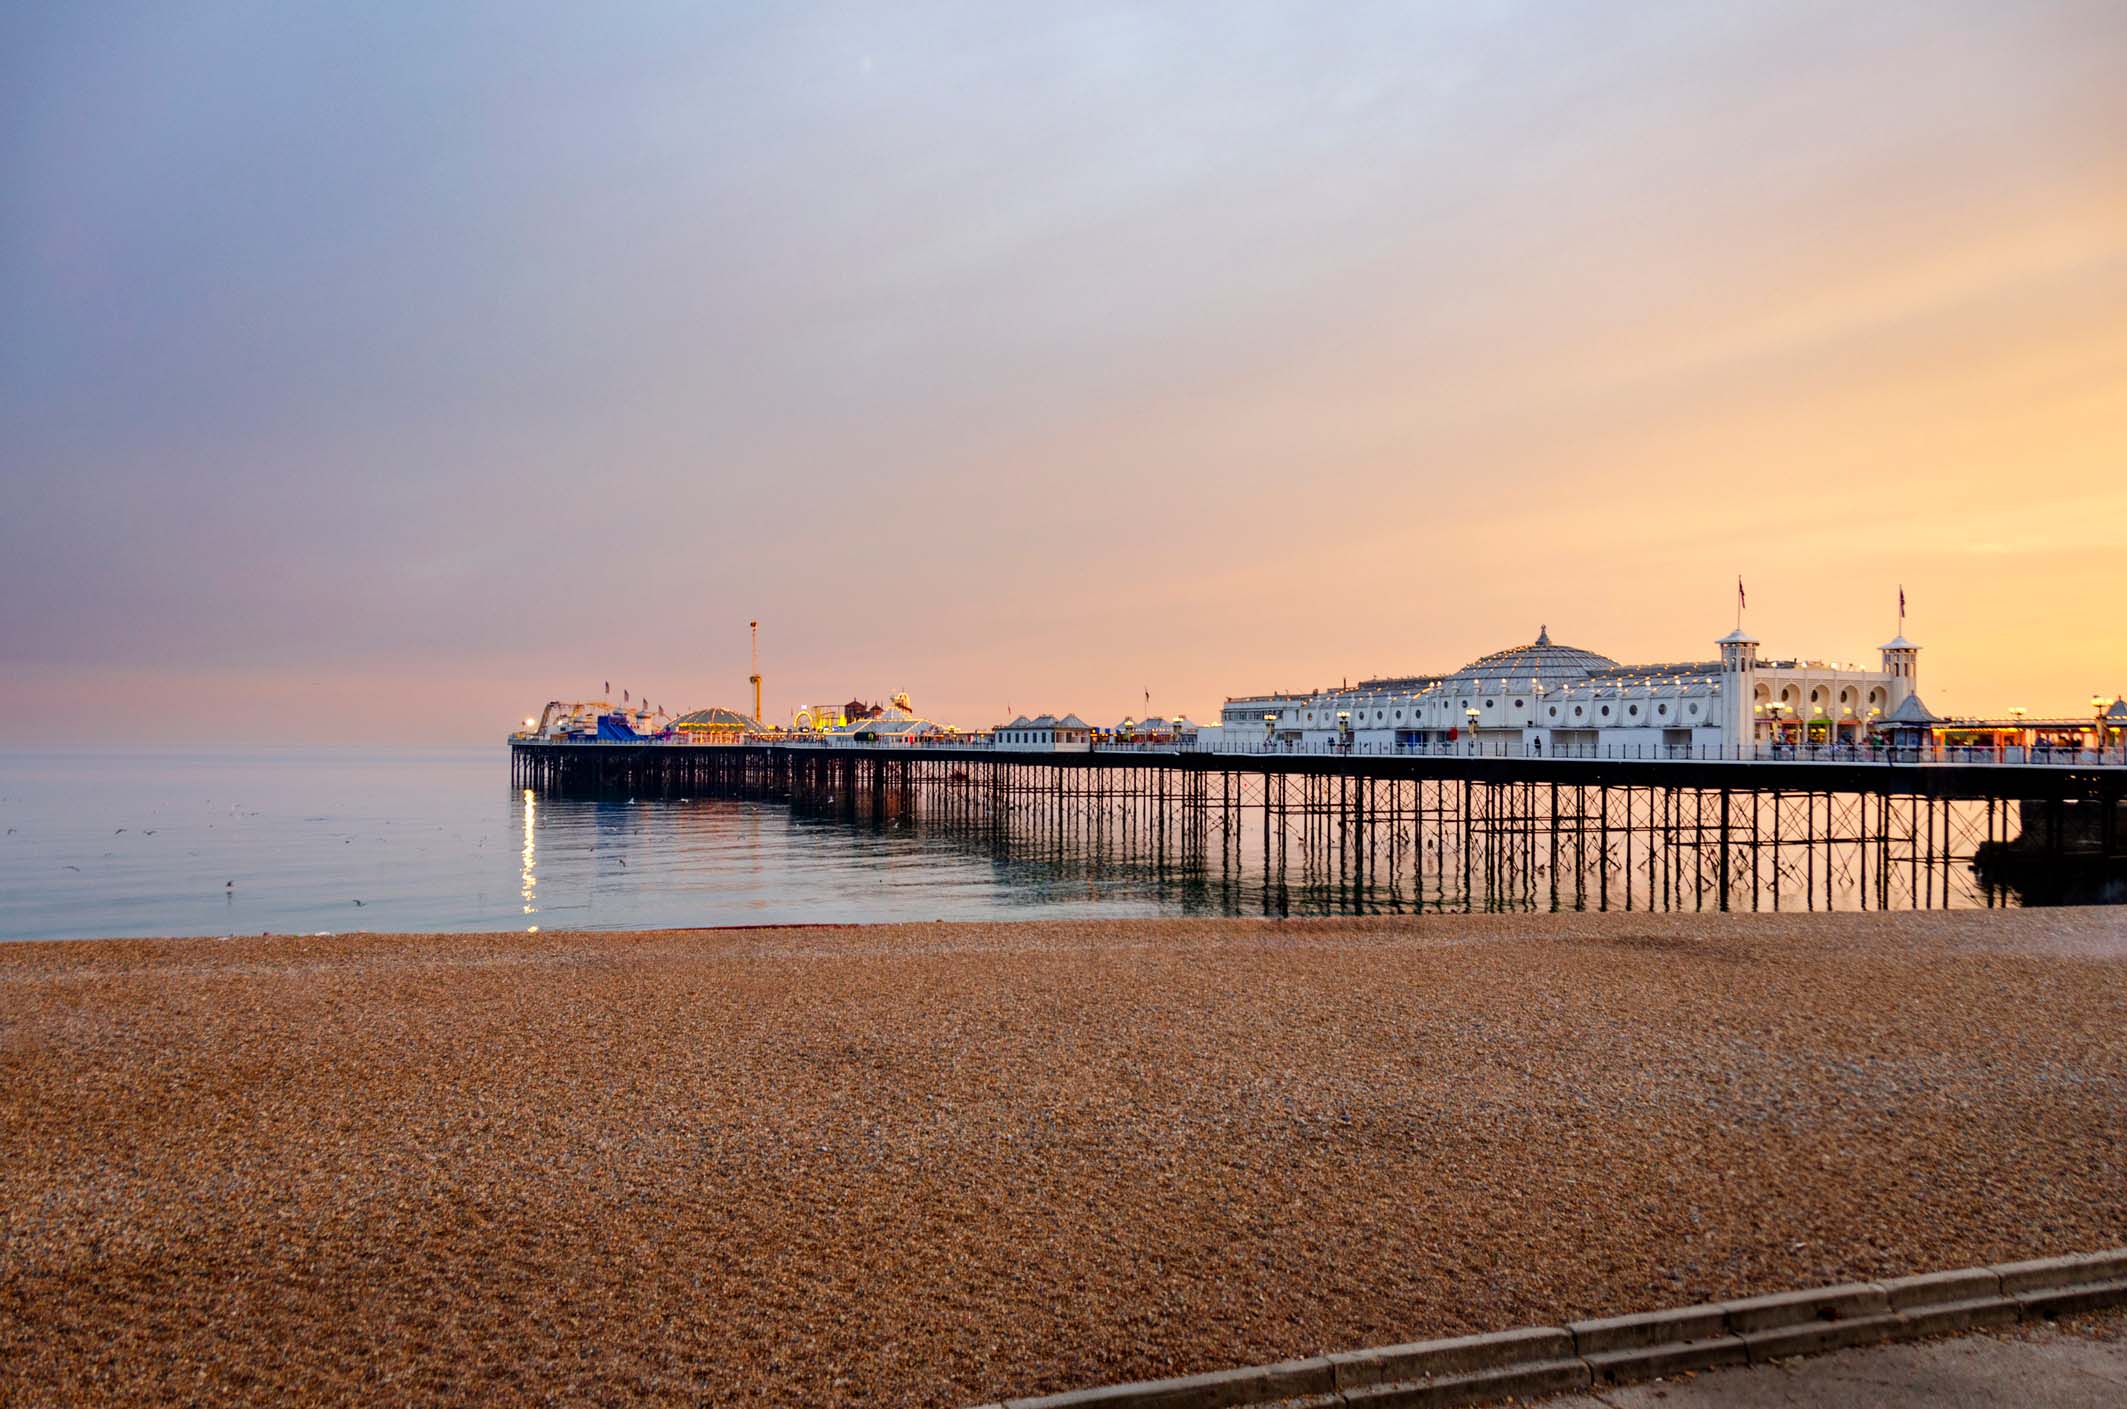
<point x="379" y="372"/>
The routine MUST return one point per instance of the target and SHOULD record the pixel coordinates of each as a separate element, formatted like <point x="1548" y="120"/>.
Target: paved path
<point x="2074" y="1365"/>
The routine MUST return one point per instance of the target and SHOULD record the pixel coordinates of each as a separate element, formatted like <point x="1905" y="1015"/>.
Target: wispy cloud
<point x="1112" y="345"/>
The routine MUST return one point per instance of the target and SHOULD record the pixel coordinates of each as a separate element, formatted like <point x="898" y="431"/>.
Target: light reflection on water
<point x="530" y="890"/>
<point x="131" y="844"/>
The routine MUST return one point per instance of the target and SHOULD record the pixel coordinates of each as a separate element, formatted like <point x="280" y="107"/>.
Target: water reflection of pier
<point x="1313" y="834"/>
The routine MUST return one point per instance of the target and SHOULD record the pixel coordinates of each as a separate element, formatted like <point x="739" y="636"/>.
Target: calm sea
<point x="113" y="844"/>
<point x="331" y="841"/>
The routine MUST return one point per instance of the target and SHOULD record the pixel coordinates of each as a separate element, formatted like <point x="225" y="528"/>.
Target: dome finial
<point x="1543" y="635"/>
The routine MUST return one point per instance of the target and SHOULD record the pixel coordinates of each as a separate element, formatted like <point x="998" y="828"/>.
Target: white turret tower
<point x="1901" y="661"/>
<point x="1739" y="688"/>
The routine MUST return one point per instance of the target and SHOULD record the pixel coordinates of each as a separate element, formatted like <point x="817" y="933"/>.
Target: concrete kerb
<point x="1621" y="1349"/>
<point x="2063" y="1286"/>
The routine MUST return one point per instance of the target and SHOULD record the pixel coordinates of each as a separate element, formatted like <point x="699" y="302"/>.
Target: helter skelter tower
<point x="755" y="678"/>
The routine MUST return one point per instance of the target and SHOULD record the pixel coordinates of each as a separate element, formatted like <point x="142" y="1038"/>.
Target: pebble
<point x="940" y="1164"/>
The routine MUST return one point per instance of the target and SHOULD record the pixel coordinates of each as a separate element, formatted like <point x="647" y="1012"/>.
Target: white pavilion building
<point x="1545" y="698"/>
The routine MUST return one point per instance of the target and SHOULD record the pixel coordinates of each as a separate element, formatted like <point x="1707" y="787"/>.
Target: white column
<point x="1739" y="687"/>
<point x="1901" y="662"/>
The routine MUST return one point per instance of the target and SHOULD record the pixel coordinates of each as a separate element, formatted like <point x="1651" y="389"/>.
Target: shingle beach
<point x="937" y="1164"/>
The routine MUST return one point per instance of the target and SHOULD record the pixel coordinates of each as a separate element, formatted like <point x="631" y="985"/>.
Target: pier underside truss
<point x="1236" y="835"/>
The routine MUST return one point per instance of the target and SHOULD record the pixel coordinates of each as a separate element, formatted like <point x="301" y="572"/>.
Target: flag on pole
<point x="1741" y="600"/>
<point x="1901" y="603"/>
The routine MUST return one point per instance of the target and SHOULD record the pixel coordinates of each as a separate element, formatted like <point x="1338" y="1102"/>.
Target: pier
<point x="1356" y="833"/>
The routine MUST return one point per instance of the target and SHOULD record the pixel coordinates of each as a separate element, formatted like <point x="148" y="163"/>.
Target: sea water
<point x="127" y="843"/>
<point x="121" y="843"/>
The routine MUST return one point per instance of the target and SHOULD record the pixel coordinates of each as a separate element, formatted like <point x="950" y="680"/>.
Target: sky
<point x="380" y="372"/>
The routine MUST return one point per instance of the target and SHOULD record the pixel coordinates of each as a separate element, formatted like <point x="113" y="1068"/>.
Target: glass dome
<point x="1540" y="662"/>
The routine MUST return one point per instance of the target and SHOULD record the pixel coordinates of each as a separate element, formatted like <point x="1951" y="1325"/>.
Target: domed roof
<point x="1539" y="661"/>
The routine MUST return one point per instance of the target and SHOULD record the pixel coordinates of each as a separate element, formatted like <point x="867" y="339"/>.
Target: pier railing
<point x="1889" y="755"/>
